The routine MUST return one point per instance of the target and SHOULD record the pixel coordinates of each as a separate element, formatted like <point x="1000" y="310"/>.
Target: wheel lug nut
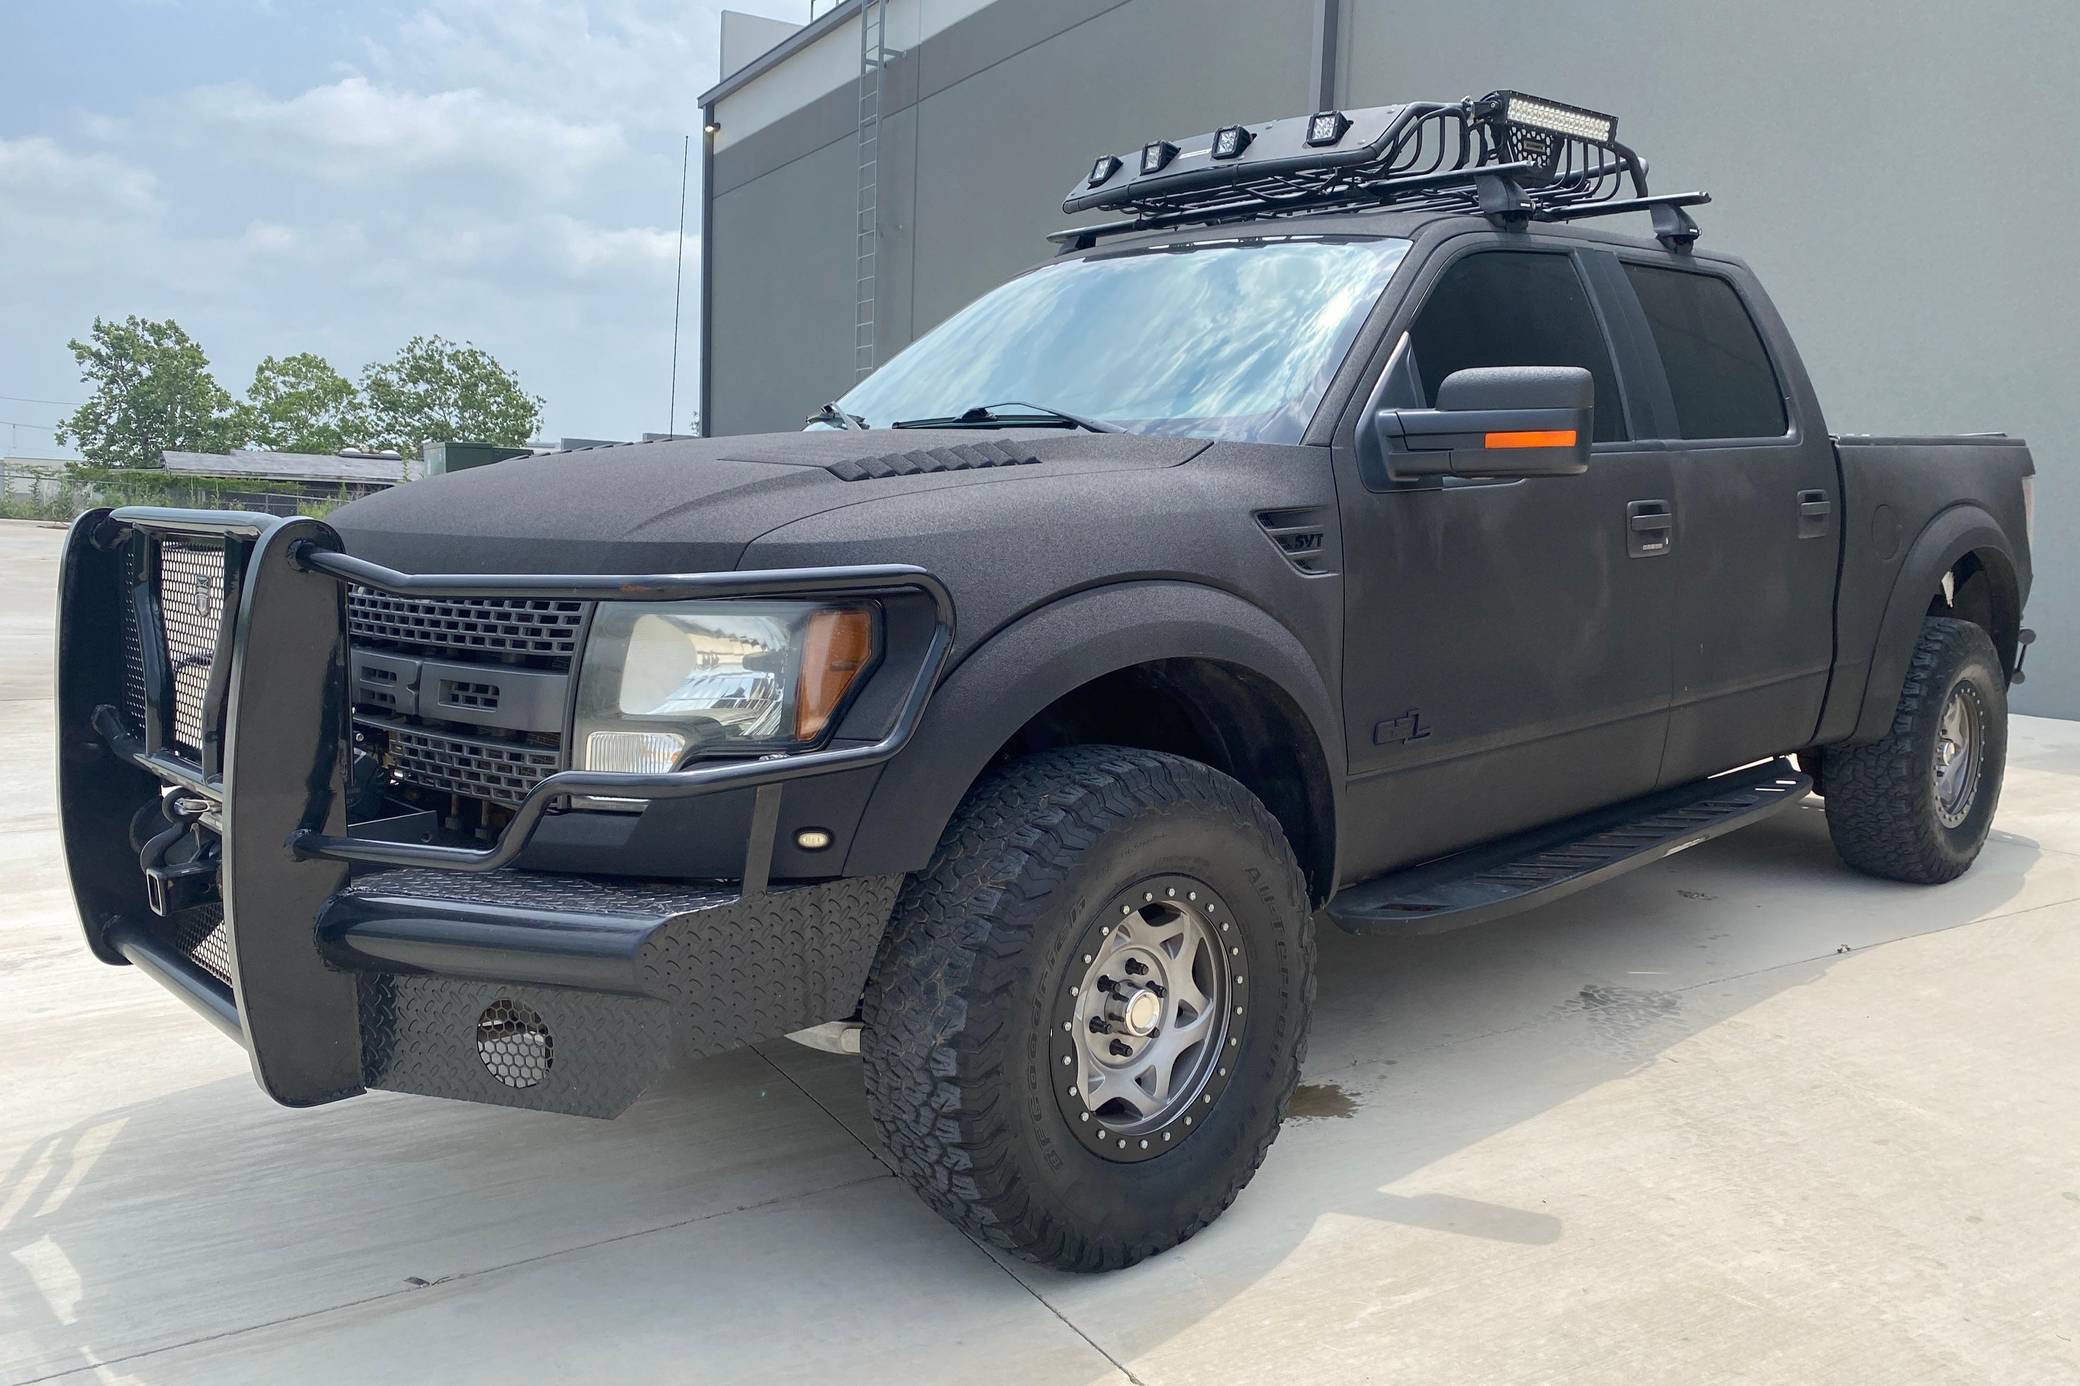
<point x="1120" y="1050"/>
<point x="1136" y="967"/>
<point x="1106" y="984"/>
<point x="1155" y="988"/>
<point x="1100" y="1027"/>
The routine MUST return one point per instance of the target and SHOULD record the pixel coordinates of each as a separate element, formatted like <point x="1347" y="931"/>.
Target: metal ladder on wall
<point x="873" y="57"/>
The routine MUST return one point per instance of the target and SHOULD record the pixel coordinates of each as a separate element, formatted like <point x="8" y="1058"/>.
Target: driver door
<point x="1508" y="644"/>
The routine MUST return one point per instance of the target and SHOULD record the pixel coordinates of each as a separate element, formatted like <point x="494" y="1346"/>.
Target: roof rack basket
<point x="1506" y="156"/>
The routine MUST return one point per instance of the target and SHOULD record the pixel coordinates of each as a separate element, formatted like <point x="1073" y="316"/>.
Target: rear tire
<point x="1096" y="920"/>
<point x="1917" y="805"/>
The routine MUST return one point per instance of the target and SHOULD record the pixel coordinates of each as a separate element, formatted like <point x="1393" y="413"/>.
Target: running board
<point x="1517" y="873"/>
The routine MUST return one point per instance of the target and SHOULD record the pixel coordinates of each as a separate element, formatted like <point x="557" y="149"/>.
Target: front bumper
<point x="345" y="961"/>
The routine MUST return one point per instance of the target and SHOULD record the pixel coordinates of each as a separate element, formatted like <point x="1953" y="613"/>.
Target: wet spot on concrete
<point x="1312" y="1100"/>
<point x="1629" y="1002"/>
<point x="1627" y="1016"/>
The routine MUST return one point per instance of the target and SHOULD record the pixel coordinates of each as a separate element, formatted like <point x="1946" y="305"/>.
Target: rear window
<point x="1718" y="369"/>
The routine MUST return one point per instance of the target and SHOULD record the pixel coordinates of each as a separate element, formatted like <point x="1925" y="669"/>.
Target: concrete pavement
<point x="1742" y="1116"/>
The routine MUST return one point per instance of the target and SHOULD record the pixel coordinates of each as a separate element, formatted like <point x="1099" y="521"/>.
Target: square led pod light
<point x="1326" y="127"/>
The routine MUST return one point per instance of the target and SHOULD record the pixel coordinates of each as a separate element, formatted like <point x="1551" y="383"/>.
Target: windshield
<point x="1229" y="340"/>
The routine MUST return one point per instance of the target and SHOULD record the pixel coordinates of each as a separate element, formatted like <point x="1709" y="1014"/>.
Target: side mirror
<point x="1493" y="421"/>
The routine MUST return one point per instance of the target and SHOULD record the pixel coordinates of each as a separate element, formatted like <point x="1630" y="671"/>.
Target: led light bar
<point x="1536" y="113"/>
<point x="1155" y="156"/>
<point x="1326" y="127"/>
<point x="1104" y="169"/>
<point x="1230" y="140"/>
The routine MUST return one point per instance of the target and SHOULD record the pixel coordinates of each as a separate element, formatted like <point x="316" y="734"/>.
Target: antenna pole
<point x="678" y="278"/>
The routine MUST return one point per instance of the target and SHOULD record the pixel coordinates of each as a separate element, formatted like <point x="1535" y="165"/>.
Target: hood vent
<point x="966" y="457"/>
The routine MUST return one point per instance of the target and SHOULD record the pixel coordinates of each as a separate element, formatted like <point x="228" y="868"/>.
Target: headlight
<point x="663" y="682"/>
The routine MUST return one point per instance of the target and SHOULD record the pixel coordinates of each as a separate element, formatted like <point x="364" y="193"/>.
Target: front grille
<point x="542" y="634"/>
<point x="499" y="632"/>
<point x="133" y="648"/>
<point x="480" y="625"/>
<point x="474" y="766"/>
<point x="191" y="611"/>
<point x="191" y="606"/>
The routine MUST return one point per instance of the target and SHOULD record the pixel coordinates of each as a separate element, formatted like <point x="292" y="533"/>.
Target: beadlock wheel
<point x="1960" y="750"/>
<point x="1152" y="1007"/>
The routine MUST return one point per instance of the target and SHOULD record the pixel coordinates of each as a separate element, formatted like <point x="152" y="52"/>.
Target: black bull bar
<point x="418" y="977"/>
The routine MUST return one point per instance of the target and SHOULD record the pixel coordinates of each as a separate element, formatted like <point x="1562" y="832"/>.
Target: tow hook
<point x="170" y="888"/>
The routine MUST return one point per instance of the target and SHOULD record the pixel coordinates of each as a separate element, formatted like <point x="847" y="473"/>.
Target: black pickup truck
<point x="1355" y="525"/>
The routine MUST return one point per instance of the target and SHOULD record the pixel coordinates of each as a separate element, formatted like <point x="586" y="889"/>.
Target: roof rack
<point x="1507" y="156"/>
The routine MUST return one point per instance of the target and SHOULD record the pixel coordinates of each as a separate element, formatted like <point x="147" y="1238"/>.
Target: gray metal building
<point x="1897" y="175"/>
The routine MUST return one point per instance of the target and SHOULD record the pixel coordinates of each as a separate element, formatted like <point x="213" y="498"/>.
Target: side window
<point x="1515" y="308"/>
<point x="1718" y="369"/>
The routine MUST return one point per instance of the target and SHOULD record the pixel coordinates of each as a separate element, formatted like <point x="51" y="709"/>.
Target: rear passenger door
<point x="1756" y="534"/>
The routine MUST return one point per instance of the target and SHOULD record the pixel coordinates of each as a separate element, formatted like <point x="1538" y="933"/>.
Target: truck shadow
<point x="206" y="1212"/>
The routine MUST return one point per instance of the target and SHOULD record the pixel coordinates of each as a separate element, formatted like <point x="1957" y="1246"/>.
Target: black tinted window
<point x="1515" y="308"/>
<point x="1718" y="371"/>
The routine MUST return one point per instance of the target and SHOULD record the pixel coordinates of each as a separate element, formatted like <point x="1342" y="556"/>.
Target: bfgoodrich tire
<point x="1089" y="1012"/>
<point x="1917" y="805"/>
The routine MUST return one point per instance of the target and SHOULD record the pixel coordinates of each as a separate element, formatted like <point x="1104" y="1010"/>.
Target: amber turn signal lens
<point x="837" y="645"/>
<point x="1533" y="438"/>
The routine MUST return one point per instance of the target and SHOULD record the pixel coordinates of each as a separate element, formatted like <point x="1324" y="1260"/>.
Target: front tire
<point x="1088" y="1014"/>
<point x="1917" y="805"/>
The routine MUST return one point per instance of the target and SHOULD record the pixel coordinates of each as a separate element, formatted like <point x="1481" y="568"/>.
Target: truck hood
<point x="695" y="504"/>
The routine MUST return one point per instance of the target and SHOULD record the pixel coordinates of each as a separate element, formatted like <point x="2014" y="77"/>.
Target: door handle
<point x="1813" y="511"/>
<point x="1650" y="528"/>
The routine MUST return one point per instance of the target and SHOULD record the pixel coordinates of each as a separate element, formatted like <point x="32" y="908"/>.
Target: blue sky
<point x="285" y="176"/>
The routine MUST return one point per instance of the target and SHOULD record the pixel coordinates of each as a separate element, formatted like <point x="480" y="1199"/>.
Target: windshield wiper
<point x="985" y="416"/>
<point x="833" y="415"/>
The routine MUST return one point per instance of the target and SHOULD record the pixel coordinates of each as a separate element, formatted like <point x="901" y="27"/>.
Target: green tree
<point x="151" y="390"/>
<point x="435" y="390"/>
<point x="301" y="404"/>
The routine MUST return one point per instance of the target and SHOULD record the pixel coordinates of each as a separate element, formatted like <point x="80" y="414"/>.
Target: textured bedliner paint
<point x="685" y="504"/>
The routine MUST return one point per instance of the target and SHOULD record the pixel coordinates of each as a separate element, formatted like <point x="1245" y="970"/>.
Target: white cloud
<point x="353" y="130"/>
<point x="334" y="245"/>
<point x="644" y="60"/>
<point x="582" y="248"/>
<point x="39" y="176"/>
<point x="102" y="128"/>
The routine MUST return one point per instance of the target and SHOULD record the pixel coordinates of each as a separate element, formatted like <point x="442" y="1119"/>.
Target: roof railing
<point x="1507" y="156"/>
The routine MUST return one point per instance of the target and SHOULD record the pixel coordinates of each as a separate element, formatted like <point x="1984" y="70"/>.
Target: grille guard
<point x="270" y="775"/>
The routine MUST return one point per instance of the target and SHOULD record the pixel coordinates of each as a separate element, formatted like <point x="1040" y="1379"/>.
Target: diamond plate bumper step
<point x="1517" y="873"/>
<point x="614" y="979"/>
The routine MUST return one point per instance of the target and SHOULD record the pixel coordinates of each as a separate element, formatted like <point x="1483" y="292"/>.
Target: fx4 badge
<point x="1400" y="730"/>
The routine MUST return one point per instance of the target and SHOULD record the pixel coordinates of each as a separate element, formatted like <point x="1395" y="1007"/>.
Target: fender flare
<point x="1021" y="669"/>
<point x="1955" y="532"/>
